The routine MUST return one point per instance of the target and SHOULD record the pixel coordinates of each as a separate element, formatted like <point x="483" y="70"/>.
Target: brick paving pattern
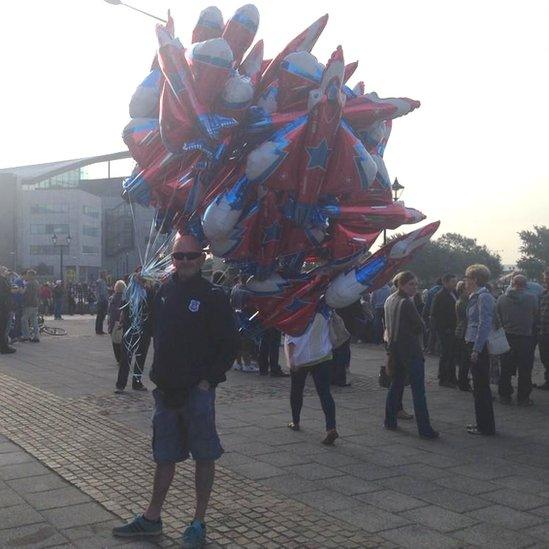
<point x="274" y="487"/>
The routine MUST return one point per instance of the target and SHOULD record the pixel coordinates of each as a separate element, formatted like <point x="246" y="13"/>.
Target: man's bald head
<point x="187" y="256"/>
<point x="519" y="282"/>
<point x="186" y="243"/>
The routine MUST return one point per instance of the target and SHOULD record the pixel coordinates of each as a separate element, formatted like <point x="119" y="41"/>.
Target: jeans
<point x="30" y="316"/>
<point x="446" y="365"/>
<point x="101" y="314"/>
<point x="519" y="359"/>
<point x="57" y="308"/>
<point x="484" y="409"/>
<point x="269" y="348"/>
<point x="462" y="359"/>
<point x="543" y="341"/>
<point x="127" y="358"/>
<point x="321" y="376"/>
<point x="342" y="359"/>
<point x="416" y="372"/>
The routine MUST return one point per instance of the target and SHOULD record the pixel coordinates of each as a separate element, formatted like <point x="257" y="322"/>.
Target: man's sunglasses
<point x="179" y="256"/>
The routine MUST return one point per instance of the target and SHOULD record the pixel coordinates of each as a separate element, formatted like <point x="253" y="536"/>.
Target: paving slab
<point x="510" y="518"/>
<point x="389" y="500"/>
<point x="36" y="535"/>
<point x="494" y="536"/>
<point x="415" y="536"/>
<point x="438" y="518"/>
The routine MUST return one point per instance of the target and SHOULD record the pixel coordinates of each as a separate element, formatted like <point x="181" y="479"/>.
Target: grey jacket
<point x="480" y="318"/>
<point x="517" y="311"/>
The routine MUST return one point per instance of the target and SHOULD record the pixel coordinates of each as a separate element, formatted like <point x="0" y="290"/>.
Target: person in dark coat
<point x="443" y="318"/>
<point x="404" y="329"/>
<point x="195" y="343"/>
<point x="114" y="312"/>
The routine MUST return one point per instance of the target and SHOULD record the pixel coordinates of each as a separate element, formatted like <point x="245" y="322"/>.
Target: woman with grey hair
<point x="480" y="317"/>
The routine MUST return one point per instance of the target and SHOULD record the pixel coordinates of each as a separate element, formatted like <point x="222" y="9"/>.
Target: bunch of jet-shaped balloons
<point x="275" y="164"/>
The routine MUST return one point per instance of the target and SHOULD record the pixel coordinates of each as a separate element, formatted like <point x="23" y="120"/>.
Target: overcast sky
<point x="475" y="155"/>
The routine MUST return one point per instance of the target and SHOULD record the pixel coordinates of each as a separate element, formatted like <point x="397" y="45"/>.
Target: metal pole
<point x="61" y="263"/>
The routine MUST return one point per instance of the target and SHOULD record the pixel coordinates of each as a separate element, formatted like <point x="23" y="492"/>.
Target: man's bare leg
<point x="203" y="478"/>
<point x="163" y="477"/>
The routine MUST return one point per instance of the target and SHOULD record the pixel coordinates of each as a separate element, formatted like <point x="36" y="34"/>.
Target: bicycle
<point x="50" y="330"/>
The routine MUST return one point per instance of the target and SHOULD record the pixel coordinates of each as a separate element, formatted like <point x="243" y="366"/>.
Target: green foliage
<point x="535" y="251"/>
<point x="452" y="253"/>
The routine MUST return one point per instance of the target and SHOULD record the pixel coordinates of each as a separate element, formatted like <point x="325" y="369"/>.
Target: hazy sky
<point x="475" y="155"/>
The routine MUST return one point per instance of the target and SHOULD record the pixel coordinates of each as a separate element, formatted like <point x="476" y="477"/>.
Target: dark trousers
<point x="462" y="359"/>
<point x="519" y="359"/>
<point x="378" y="325"/>
<point x="321" y="376"/>
<point x="5" y="317"/>
<point x="342" y="359"/>
<point x="117" y="349"/>
<point x="269" y="348"/>
<point x="101" y="314"/>
<point x="484" y="409"/>
<point x="126" y="359"/>
<point x="57" y="307"/>
<point x="447" y="365"/>
<point x="543" y="341"/>
<point x="416" y="372"/>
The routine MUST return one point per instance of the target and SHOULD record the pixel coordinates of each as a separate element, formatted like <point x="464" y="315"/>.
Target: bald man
<point x="517" y="310"/>
<point x="195" y="343"/>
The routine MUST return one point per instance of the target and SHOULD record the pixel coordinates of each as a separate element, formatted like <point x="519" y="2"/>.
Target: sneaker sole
<point x="137" y="535"/>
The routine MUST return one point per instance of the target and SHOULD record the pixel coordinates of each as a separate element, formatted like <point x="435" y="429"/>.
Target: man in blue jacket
<point x="195" y="343"/>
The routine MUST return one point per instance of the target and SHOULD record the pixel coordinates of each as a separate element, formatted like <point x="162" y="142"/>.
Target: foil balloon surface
<point x="276" y="165"/>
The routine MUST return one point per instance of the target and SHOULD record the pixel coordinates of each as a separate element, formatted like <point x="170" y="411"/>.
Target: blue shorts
<point x="191" y="428"/>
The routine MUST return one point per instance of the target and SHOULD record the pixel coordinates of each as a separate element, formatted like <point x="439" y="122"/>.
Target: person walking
<point x="114" y="323"/>
<point x="462" y="358"/>
<point x="311" y="353"/>
<point x="195" y="343"/>
<point x="405" y="341"/>
<point x="30" y="331"/>
<point x="517" y="311"/>
<point x="135" y="342"/>
<point x="543" y="330"/>
<point x="480" y="319"/>
<point x="102" y="294"/>
<point x="443" y="319"/>
<point x="5" y="311"/>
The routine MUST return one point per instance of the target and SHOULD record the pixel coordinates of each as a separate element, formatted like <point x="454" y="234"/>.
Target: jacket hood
<point x="518" y="296"/>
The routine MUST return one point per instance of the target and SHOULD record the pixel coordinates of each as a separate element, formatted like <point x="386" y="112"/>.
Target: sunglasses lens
<point x="186" y="255"/>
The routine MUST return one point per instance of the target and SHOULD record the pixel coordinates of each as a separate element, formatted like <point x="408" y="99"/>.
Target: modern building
<point x="67" y="219"/>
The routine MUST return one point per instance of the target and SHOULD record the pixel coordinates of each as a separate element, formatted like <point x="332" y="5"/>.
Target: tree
<point x="535" y="251"/>
<point x="452" y="253"/>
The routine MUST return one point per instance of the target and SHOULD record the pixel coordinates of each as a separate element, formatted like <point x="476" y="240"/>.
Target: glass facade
<point x="119" y="230"/>
<point x="49" y="228"/>
<point x="49" y="209"/>
<point x="90" y="211"/>
<point x="67" y="180"/>
<point x="90" y="249"/>
<point x="90" y="231"/>
<point x="44" y="249"/>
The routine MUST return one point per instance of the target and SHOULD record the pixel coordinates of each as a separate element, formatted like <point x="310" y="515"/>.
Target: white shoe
<point x="250" y="368"/>
<point x="237" y="366"/>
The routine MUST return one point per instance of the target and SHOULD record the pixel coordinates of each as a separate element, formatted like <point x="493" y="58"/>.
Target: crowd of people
<point x="477" y="330"/>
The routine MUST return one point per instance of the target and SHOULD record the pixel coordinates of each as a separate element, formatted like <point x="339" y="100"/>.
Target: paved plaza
<point x="75" y="460"/>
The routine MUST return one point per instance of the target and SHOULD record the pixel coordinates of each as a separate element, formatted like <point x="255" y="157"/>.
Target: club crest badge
<point x="194" y="305"/>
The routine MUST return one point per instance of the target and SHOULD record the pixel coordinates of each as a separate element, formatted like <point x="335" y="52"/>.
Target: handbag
<point x="497" y="342"/>
<point x="117" y="333"/>
<point x="338" y="333"/>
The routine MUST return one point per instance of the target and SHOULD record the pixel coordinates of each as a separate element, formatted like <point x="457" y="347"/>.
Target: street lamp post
<point x="397" y="189"/>
<point x="61" y="246"/>
<point x="120" y="3"/>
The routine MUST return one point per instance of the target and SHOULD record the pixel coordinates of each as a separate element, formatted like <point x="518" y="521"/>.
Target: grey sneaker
<point x="194" y="537"/>
<point x="139" y="527"/>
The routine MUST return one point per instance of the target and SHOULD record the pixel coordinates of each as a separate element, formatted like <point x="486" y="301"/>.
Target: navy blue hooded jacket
<point x="195" y="335"/>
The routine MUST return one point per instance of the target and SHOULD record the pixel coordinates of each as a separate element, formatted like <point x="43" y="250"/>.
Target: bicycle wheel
<point x="54" y="331"/>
